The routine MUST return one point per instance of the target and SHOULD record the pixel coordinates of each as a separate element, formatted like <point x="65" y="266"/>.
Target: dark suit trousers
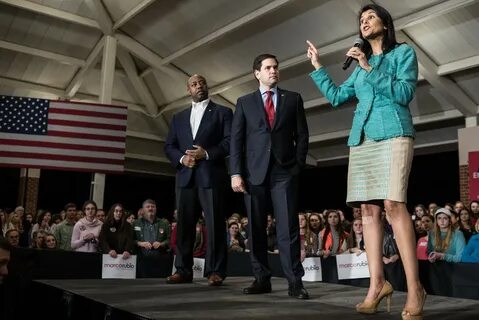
<point x="190" y="202"/>
<point x="281" y="187"/>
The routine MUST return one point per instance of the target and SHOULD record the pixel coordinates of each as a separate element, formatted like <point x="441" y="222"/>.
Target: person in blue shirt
<point x="381" y="146"/>
<point x="471" y="251"/>
<point x="445" y="243"/>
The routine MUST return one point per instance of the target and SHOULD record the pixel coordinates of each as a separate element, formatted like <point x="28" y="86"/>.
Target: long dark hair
<point x="110" y="219"/>
<point x="327" y="229"/>
<point x="389" y="40"/>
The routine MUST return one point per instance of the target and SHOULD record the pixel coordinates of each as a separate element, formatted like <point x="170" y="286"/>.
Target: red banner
<point x="474" y="175"/>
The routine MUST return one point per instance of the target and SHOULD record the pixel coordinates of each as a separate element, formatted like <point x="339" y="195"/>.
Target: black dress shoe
<point x="258" y="288"/>
<point x="299" y="292"/>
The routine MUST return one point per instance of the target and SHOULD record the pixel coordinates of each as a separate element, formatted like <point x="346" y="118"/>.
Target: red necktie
<point x="269" y="106"/>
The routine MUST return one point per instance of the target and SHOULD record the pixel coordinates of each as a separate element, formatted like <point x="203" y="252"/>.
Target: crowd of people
<point x="449" y="233"/>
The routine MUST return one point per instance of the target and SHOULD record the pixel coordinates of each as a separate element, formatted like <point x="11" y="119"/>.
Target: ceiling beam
<point x="430" y="13"/>
<point x="60" y="93"/>
<point x="335" y="46"/>
<point x="271" y="6"/>
<point x="138" y="84"/>
<point x="102" y="17"/>
<point x="148" y="56"/>
<point x="92" y="59"/>
<point x="52" y="12"/>
<point x="132" y="13"/>
<point x="459" y="65"/>
<point x="221" y="32"/>
<point x="448" y="88"/>
<point x="42" y="53"/>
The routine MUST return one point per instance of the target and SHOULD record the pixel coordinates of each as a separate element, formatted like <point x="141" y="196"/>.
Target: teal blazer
<point x="383" y="93"/>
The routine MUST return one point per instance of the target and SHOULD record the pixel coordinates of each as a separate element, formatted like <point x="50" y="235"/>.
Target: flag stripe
<point x="7" y="144"/>
<point x="89" y="113"/>
<point x="86" y="131"/>
<point x="37" y="156"/>
<point x="73" y="141"/>
<point x="55" y="151"/>
<point x="62" y="135"/>
<point x="84" y="135"/>
<point x="89" y="107"/>
<point x="60" y="165"/>
<point x="72" y="117"/>
<point x="87" y="125"/>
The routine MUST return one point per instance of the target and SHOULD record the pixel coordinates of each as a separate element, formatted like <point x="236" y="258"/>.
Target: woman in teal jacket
<point x="381" y="146"/>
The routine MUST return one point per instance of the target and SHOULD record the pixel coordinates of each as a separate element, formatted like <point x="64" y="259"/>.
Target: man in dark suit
<point x="269" y="142"/>
<point x="197" y="144"/>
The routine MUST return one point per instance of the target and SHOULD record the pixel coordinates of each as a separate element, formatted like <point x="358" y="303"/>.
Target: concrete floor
<point x="153" y="299"/>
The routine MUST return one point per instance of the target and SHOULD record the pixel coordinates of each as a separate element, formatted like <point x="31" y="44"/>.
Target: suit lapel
<point x="279" y="106"/>
<point x="187" y="126"/>
<point x="205" y="119"/>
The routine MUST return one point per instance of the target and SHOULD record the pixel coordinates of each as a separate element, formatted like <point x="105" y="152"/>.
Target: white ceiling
<point x="54" y="49"/>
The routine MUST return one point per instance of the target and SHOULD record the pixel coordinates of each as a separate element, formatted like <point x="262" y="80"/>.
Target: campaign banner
<point x="352" y="266"/>
<point x="118" y="268"/>
<point x="198" y="267"/>
<point x="474" y="175"/>
<point x="312" y="269"/>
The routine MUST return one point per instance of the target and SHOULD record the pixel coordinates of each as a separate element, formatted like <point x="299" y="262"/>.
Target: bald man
<point x="197" y="144"/>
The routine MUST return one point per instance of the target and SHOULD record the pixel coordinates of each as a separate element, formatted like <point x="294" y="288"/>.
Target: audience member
<point x="465" y="224"/>
<point x="393" y="268"/>
<point x="43" y="222"/>
<point x="333" y="237"/>
<point x="419" y="211"/>
<point x="355" y="238"/>
<point x="309" y="240"/>
<point x="458" y="206"/>
<point x="152" y="235"/>
<point x="50" y="242"/>
<point x="39" y="239"/>
<point x="63" y="231"/>
<point x="5" y="222"/>
<point x="474" y="209"/>
<point x="271" y="235"/>
<point x="100" y="215"/>
<point x="445" y="243"/>
<point x="131" y="218"/>
<point x="315" y="227"/>
<point x="4" y="258"/>
<point x="432" y="207"/>
<point x="471" y="251"/>
<point x="13" y="237"/>
<point x="86" y="230"/>
<point x="116" y="235"/>
<point x="234" y="241"/>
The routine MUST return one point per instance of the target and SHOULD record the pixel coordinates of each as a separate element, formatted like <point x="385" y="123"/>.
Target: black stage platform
<point x="153" y="299"/>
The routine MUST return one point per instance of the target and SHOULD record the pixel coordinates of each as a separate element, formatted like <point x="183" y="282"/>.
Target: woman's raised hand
<point x="313" y="55"/>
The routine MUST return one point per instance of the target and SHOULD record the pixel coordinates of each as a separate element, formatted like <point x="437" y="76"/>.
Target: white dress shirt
<point x="197" y="111"/>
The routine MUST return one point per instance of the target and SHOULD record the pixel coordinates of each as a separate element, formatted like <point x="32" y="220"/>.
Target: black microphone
<point x="357" y="43"/>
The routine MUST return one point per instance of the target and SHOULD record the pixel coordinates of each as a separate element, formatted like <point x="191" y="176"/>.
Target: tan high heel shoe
<point x="371" y="307"/>
<point x="417" y="313"/>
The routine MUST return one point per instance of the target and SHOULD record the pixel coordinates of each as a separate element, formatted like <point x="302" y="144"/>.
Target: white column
<point x="471" y="122"/>
<point x="106" y="88"/>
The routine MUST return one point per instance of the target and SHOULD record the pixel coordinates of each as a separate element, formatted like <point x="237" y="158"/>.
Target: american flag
<point x="38" y="133"/>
